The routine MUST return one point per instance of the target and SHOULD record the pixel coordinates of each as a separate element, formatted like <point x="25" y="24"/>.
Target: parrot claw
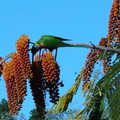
<point x="56" y="53"/>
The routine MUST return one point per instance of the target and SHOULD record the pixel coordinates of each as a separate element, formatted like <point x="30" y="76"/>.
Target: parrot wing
<point x="62" y="39"/>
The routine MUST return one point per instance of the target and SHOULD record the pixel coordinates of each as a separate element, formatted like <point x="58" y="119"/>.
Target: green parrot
<point x="51" y="42"/>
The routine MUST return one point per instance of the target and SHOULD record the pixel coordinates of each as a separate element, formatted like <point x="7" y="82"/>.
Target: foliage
<point x="104" y="94"/>
<point x="34" y="115"/>
<point x="52" y="116"/>
<point x="43" y="74"/>
<point x="4" y="111"/>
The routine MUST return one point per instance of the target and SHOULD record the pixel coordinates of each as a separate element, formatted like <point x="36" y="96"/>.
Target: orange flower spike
<point x="22" y="46"/>
<point x="50" y="67"/>
<point x="9" y="78"/>
<point x="19" y="77"/>
<point x="15" y="83"/>
<point x="51" y="72"/>
<point x="114" y="25"/>
<point x="89" y="64"/>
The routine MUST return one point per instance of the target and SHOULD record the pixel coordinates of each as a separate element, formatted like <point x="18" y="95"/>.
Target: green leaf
<point x="96" y="101"/>
<point x="64" y="101"/>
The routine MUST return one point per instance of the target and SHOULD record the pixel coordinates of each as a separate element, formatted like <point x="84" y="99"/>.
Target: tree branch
<point x="4" y="59"/>
<point x="80" y="45"/>
<point x="97" y="47"/>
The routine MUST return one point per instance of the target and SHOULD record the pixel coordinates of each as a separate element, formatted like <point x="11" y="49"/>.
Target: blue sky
<point x="79" y="20"/>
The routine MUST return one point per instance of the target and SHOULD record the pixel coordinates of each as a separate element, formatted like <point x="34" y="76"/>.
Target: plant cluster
<point x="112" y="41"/>
<point x="43" y="74"/>
<point x="15" y="73"/>
<point x="46" y="74"/>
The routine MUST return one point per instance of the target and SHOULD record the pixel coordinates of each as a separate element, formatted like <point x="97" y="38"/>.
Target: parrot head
<point x="35" y="49"/>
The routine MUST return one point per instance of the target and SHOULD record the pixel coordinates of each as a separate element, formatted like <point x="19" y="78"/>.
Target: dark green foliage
<point x="4" y="106"/>
<point x="34" y="115"/>
<point x="4" y="111"/>
<point x="52" y="116"/>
